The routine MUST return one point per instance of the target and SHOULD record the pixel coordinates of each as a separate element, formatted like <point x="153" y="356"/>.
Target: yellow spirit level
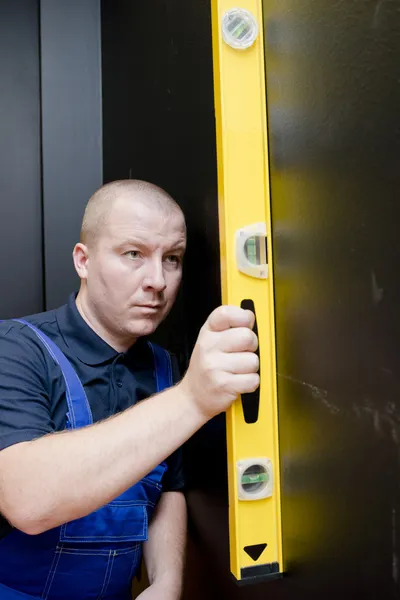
<point x="246" y="261"/>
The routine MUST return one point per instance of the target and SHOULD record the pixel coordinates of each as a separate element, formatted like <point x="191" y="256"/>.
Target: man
<point x="79" y="496"/>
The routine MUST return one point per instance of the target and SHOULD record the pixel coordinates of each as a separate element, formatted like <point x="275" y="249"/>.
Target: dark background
<point x="92" y="92"/>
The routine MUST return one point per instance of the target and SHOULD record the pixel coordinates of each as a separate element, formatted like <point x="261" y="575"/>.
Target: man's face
<point x="135" y="268"/>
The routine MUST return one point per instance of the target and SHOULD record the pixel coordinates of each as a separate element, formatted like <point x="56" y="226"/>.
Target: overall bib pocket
<point x="90" y="573"/>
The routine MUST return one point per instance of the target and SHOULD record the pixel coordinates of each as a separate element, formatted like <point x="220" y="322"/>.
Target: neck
<point x="88" y="315"/>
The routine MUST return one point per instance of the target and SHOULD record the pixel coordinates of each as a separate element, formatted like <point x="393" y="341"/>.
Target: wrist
<point x="170" y="586"/>
<point x="191" y="405"/>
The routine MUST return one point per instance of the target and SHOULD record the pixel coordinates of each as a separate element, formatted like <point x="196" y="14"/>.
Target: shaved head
<point x="104" y="199"/>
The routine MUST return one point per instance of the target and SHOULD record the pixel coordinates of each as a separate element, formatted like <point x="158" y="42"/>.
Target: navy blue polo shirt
<point x="32" y="389"/>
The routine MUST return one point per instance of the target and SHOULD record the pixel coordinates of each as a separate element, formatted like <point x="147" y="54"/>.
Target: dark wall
<point x="333" y="95"/>
<point x="333" y="90"/>
<point x="158" y="125"/>
<point x="50" y="145"/>
<point x="20" y="176"/>
<point x="71" y="132"/>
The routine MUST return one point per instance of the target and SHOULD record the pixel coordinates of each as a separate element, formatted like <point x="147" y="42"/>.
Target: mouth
<point x="149" y="307"/>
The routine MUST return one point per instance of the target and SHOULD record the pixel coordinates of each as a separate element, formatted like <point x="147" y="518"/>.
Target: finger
<point x="225" y="317"/>
<point x="241" y="363"/>
<point x="239" y="339"/>
<point x="245" y="384"/>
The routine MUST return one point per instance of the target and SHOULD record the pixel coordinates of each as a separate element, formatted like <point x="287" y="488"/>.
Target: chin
<point x="144" y="327"/>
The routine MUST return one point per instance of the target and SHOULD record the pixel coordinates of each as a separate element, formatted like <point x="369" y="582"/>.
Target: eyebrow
<point x="179" y="246"/>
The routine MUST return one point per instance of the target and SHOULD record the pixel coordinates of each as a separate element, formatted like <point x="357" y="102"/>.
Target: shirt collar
<point x="83" y="342"/>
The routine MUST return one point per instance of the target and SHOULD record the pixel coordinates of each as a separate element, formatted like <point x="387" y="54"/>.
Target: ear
<point x="80" y="256"/>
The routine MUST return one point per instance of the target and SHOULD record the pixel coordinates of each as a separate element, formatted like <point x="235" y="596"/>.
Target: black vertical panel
<point x="20" y="186"/>
<point x="158" y="125"/>
<point x="72" y="131"/>
<point x="333" y="99"/>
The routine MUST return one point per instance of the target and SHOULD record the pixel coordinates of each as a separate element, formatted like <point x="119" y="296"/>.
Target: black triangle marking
<point x="255" y="551"/>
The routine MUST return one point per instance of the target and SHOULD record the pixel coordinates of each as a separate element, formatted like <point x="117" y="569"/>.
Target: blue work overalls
<point x="94" y="557"/>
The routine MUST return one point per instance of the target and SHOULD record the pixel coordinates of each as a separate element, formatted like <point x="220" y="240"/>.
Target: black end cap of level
<point x="259" y="573"/>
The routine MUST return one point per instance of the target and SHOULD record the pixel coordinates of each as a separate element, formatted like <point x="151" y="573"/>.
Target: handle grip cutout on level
<point x="251" y="401"/>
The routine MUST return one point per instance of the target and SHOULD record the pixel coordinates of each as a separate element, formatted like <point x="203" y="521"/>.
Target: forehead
<point x="147" y="221"/>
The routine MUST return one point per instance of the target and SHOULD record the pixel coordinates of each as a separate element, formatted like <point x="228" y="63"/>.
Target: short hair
<point x="100" y="204"/>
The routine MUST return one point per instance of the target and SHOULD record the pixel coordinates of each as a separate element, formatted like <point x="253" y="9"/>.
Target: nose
<point x="154" y="278"/>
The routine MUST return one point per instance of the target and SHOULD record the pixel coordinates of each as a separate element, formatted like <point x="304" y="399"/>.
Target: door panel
<point x="158" y="123"/>
<point x="72" y="132"/>
<point x="20" y="173"/>
<point x="333" y="97"/>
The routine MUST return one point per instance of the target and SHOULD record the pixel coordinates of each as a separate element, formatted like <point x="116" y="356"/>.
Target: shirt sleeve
<point x="174" y="480"/>
<point x="24" y="401"/>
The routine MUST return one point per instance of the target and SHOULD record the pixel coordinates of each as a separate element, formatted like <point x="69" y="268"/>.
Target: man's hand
<point x="158" y="591"/>
<point x="223" y="363"/>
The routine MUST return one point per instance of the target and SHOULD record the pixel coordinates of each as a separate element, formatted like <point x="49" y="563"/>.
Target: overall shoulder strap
<point x="162" y="367"/>
<point x="79" y="413"/>
<point x="9" y="594"/>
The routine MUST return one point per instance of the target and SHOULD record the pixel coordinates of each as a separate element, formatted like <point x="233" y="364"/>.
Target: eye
<point x="173" y="259"/>
<point x="133" y="254"/>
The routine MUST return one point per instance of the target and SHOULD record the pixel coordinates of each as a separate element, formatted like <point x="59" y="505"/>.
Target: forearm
<point x="62" y="477"/>
<point x="165" y="549"/>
